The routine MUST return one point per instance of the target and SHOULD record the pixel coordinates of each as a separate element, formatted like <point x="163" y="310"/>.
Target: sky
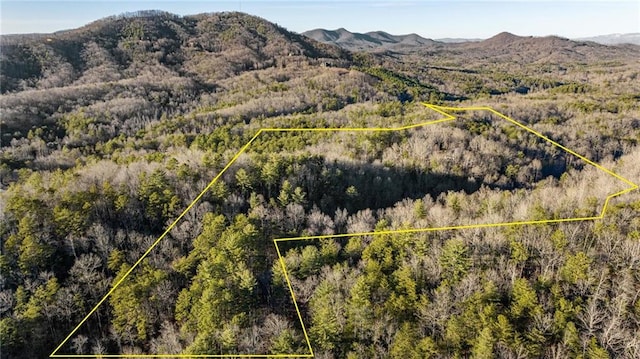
<point x="428" y="18"/>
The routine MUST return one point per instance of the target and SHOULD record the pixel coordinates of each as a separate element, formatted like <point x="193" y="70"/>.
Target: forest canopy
<point x="110" y="131"/>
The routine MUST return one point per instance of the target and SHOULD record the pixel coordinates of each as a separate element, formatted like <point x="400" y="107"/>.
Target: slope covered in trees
<point x="110" y="131"/>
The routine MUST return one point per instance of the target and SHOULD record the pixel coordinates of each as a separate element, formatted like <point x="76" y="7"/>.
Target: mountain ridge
<point x="383" y="41"/>
<point x="614" y="39"/>
<point x="372" y="40"/>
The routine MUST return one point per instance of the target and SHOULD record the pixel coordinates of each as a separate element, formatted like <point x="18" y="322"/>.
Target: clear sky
<point x="428" y="18"/>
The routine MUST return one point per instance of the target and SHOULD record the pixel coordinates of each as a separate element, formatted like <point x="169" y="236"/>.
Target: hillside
<point x="127" y="46"/>
<point x="148" y="161"/>
<point x="150" y="63"/>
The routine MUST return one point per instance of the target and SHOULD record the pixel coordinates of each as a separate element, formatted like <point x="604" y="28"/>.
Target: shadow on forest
<point x="365" y="185"/>
<point x="378" y="186"/>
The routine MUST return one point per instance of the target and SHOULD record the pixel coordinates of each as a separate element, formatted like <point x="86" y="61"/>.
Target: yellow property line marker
<point x="447" y="117"/>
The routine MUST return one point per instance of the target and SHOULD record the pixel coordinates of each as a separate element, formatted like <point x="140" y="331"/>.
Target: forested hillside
<point x="110" y="131"/>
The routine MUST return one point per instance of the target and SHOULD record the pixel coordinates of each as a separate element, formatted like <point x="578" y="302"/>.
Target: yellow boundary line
<point x="447" y="117"/>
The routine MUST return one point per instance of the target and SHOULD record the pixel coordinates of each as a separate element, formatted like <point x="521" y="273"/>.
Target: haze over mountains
<point x="614" y="39"/>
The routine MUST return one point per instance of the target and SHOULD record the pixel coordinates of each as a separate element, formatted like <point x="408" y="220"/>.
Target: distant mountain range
<point x="215" y="47"/>
<point x="382" y="41"/>
<point x="375" y="40"/>
<point x="615" y="39"/>
<point x="456" y="40"/>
